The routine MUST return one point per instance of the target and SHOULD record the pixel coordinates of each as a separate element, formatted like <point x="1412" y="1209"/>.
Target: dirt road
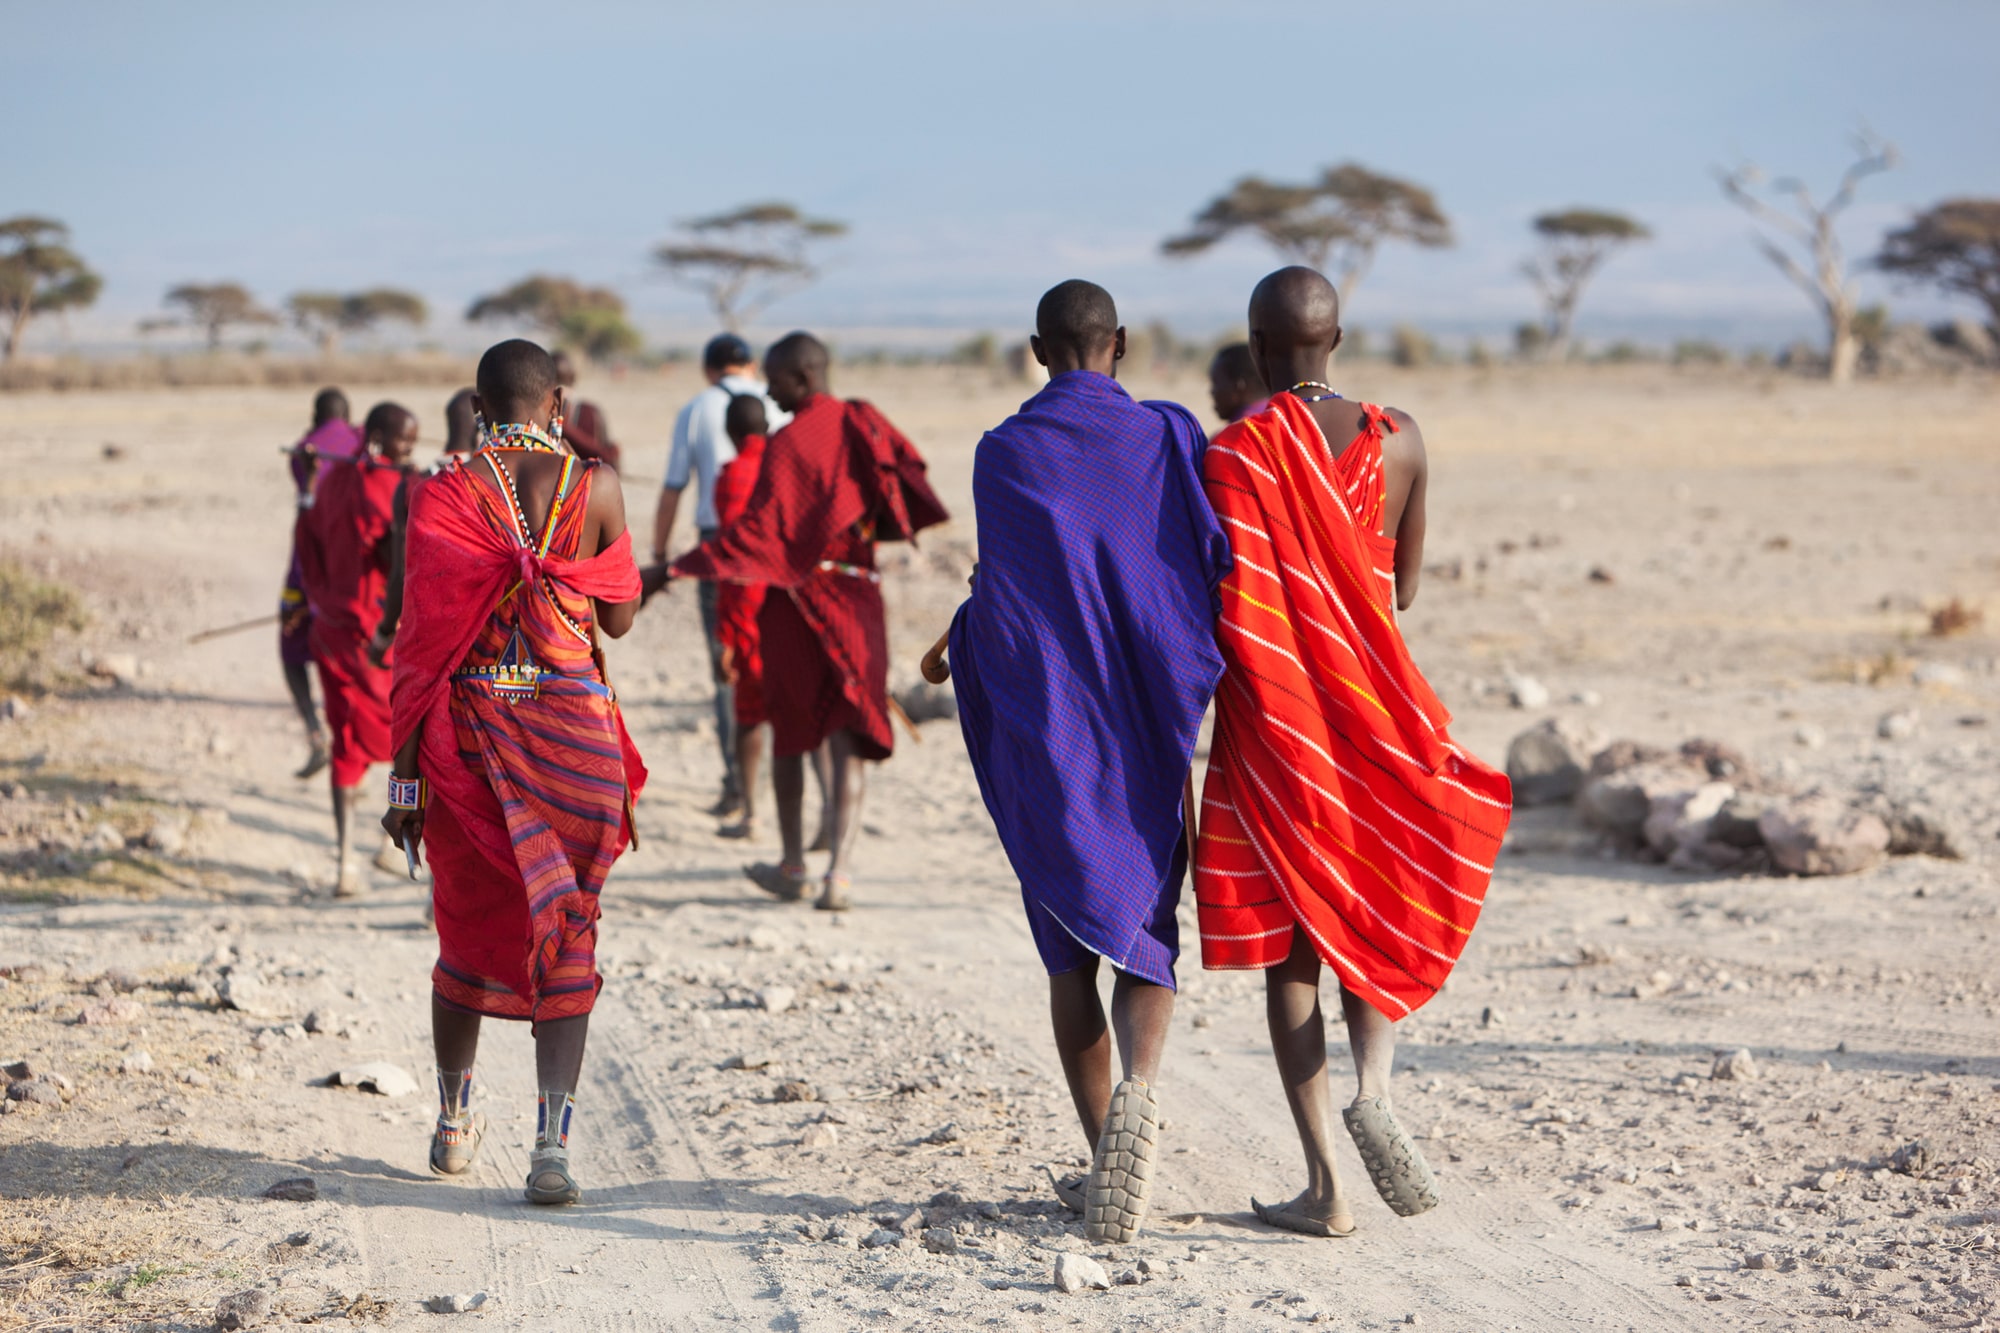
<point x="869" y="1150"/>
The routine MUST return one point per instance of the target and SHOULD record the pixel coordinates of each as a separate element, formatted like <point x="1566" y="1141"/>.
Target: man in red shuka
<point x="343" y="549"/>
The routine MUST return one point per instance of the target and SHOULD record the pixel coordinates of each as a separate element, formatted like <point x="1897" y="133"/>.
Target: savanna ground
<point x="1771" y="555"/>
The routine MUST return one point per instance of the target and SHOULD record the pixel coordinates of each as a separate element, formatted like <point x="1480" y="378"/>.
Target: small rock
<point x="111" y="1011"/>
<point x="1548" y="763"/>
<point x="748" y="1060"/>
<point x="121" y="669"/>
<point x="1941" y="674"/>
<point x="941" y="1240"/>
<point x="946" y="1133"/>
<point x="1759" y="1260"/>
<point x="820" y="1135"/>
<point x="1820" y="835"/>
<point x="1075" y="1272"/>
<point x="1899" y="725"/>
<point x="909" y="1223"/>
<point x="165" y="837"/>
<point x="243" y="992"/>
<point x="881" y="1238"/>
<point x="14" y="709"/>
<point x="1810" y="736"/>
<point x="1525" y="692"/>
<point x="1736" y="1066"/>
<point x="1620" y="801"/>
<point x="299" y="1239"/>
<point x="455" y="1304"/>
<point x="1489" y="1017"/>
<point x="377" y="1076"/>
<point x="221" y="744"/>
<point x="1916" y="829"/>
<point x="1913" y="1158"/>
<point x="138" y="1062"/>
<point x="1682" y="819"/>
<point x="298" y="1189"/>
<point x="35" y="1091"/>
<point x="796" y="1090"/>
<point x="1825" y="1181"/>
<point x="1735" y="824"/>
<point x="776" y="999"/>
<point x="246" y="1309"/>
<point x="1599" y="574"/>
<point x="924" y="702"/>
<point x="104" y="839"/>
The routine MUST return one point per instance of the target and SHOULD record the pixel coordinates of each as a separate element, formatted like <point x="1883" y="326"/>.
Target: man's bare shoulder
<point x="1406" y="439"/>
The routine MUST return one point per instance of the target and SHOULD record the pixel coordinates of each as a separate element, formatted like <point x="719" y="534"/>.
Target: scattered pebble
<point x="246" y="1309"/>
<point x="796" y="1090"/>
<point x="1737" y="1066"/>
<point x="455" y="1304"/>
<point x="1075" y="1272"/>
<point x="377" y="1076"/>
<point x="1899" y="725"/>
<point x="298" y="1189"/>
<point x="776" y="999"/>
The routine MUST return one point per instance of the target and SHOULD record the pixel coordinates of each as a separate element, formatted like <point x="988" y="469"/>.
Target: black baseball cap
<point x="725" y="350"/>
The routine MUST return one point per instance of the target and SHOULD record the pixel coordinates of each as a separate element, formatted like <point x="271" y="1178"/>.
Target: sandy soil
<point x="1595" y="1175"/>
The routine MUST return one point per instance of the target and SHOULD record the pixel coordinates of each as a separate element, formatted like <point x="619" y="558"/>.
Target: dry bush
<point x="31" y="611"/>
<point x="1955" y="617"/>
<point x="89" y="1263"/>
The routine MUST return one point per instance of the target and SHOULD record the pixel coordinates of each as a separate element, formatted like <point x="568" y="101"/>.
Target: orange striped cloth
<point x="1335" y="800"/>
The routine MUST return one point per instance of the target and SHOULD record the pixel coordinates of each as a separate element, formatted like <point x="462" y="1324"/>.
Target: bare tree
<point x="590" y="320"/>
<point x="1339" y="220"/>
<point x="211" y="307"/>
<point x="1810" y="226"/>
<point x="1575" y="244"/>
<point x="324" y="316"/>
<point x="1954" y="246"/>
<point x="747" y="258"/>
<point x="39" y="275"/>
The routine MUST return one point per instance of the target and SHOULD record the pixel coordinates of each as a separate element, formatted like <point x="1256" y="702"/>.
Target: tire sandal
<point x="1401" y="1175"/>
<point x="785" y="883"/>
<point x="833" y="894"/>
<point x="455" y="1143"/>
<point x="1121" y="1175"/>
<point x="1069" y="1190"/>
<point x="549" y="1180"/>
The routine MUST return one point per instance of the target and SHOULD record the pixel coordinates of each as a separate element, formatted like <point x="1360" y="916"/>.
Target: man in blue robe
<point x="1083" y="662"/>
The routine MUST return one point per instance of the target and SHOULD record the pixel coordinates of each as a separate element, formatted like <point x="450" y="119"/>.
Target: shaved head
<point x="391" y="430"/>
<point x="1294" y="326"/>
<point x="795" y="367"/>
<point x="514" y="378"/>
<point x="329" y="405"/>
<point x="461" y="426"/>
<point x="1076" y="316"/>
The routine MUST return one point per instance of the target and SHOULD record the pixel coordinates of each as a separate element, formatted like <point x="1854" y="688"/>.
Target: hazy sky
<point x="980" y="152"/>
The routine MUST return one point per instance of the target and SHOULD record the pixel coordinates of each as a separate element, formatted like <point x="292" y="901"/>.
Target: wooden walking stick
<point x="208" y="634"/>
<point x="936" y="670"/>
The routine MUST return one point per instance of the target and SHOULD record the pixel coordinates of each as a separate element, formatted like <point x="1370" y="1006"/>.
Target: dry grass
<point x="231" y="370"/>
<point x="93" y="1263"/>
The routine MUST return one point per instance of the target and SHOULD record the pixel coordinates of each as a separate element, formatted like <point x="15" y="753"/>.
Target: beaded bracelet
<point x="408" y="793"/>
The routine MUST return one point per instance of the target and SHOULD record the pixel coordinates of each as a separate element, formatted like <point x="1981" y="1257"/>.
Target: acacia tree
<point x="1954" y="246"/>
<point x="747" y="258"/>
<point x="1339" y="220"/>
<point x="39" y="275"/>
<point x="1810" y="227"/>
<point x="325" y="316"/>
<point x="590" y="320"/>
<point x="1575" y="244"/>
<point x="213" y="308"/>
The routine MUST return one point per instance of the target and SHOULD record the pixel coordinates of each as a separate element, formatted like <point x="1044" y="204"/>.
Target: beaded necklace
<point x="1315" y="398"/>
<point x="519" y="435"/>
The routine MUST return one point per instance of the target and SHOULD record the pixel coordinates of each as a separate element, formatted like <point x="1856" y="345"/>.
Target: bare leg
<point x="1141" y="1013"/>
<point x="849" y="785"/>
<point x="822" y="767"/>
<point x="300" y="685"/>
<point x="1083" y="1043"/>
<point x="455" y="1035"/>
<point x="347" y="880"/>
<point x="1372" y="1038"/>
<point x="749" y="756"/>
<point x="559" y="1053"/>
<point x="1298" y="1039"/>
<point x="788" y="788"/>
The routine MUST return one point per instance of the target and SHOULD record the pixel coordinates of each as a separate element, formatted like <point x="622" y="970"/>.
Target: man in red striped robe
<point x="837" y="479"/>
<point x="1340" y="824"/>
<point x="343" y="552"/>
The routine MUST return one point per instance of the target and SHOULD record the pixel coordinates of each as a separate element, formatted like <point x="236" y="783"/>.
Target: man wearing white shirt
<point x="701" y="447"/>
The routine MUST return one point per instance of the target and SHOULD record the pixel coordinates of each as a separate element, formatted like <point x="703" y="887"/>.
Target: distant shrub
<point x="1699" y="352"/>
<point x="32" y="609"/>
<point x="1410" y="346"/>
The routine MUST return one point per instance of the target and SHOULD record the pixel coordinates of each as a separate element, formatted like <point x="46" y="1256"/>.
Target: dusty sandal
<point x="833" y="894"/>
<point x="455" y="1143"/>
<point x="549" y="1180"/>
<point x="785" y="883"/>
<point x="1287" y="1218"/>
<point x="1069" y="1189"/>
<point x="1121" y="1176"/>
<point x="1401" y="1175"/>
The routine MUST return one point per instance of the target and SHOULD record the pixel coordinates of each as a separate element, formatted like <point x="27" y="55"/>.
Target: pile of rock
<point x="1704" y="808"/>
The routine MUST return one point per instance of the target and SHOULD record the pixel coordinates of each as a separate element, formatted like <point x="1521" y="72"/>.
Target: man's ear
<point x="1257" y="357"/>
<point x="1118" y="344"/>
<point x="478" y="408"/>
<point x="1035" y="346"/>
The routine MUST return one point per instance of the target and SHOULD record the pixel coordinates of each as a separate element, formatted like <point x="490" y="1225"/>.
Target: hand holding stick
<point x="935" y="669"/>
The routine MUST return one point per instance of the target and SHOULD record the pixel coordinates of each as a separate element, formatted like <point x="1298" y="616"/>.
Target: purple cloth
<point x="332" y="440"/>
<point x="1085" y="657"/>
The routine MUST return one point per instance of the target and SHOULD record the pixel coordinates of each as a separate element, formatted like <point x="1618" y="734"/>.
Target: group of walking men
<point x="1132" y="572"/>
